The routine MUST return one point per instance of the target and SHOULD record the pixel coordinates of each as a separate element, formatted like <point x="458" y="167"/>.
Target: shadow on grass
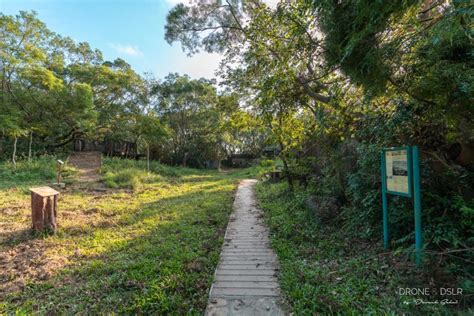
<point x="11" y="238"/>
<point x="160" y="259"/>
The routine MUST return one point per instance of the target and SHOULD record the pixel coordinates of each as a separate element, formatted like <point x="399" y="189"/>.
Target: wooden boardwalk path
<point x="245" y="281"/>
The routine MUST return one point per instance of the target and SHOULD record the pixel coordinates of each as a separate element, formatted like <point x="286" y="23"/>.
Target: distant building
<point x="271" y="151"/>
<point x="241" y="160"/>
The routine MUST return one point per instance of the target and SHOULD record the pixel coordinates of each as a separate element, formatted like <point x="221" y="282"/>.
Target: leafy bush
<point x="117" y="164"/>
<point x="265" y="166"/>
<point x="130" y="174"/>
<point x="324" y="270"/>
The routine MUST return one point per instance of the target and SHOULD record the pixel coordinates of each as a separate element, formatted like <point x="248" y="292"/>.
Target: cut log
<point x="44" y="202"/>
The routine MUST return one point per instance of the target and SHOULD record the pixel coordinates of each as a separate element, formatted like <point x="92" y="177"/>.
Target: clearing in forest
<point x="150" y="245"/>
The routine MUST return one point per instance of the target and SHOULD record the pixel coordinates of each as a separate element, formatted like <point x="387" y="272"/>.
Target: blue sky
<point x="130" y="29"/>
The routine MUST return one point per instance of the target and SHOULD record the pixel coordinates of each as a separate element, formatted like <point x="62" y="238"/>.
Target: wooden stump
<point x="44" y="201"/>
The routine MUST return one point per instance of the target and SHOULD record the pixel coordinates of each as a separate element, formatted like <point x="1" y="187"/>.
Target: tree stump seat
<point x="44" y="201"/>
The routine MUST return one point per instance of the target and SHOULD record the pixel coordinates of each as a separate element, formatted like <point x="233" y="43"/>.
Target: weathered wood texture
<point x="245" y="281"/>
<point x="44" y="204"/>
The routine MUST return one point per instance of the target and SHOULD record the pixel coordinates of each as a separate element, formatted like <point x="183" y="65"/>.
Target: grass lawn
<point x="323" y="271"/>
<point x="143" y="244"/>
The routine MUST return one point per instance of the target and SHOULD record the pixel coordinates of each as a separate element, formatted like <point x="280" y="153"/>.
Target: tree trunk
<point x="289" y="178"/>
<point x="185" y="158"/>
<point x="287" y="173"/>
<point x="14" y="153"/>
<point x="2" y="139"/>
<point x="29" y="146"/>
<point x="148" y="158"/>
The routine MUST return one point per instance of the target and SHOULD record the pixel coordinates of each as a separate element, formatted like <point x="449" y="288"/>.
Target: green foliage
<point x="267" y="165"/>
<point x="352" y="37"/>
<point x="40" y="171"/>
<point x="325" y="270"/>
<point x="130" y="174"/>
<point x="203" y="125"/>
<point x="62" y="90"/>
<point x="404" y="76"/>
<point x="116" y="164"/>
<point x="128" y="178"/>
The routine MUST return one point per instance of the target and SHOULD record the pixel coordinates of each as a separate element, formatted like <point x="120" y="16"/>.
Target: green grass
<point x="149" y="250"/>
<point x="132" y="174"/>
<point x="27" y="173"/>
<point x="40" y="170"/>
<point x="325" y="271"/>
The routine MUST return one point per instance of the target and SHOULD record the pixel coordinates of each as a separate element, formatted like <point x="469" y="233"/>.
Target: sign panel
<point x="398" y="171"/>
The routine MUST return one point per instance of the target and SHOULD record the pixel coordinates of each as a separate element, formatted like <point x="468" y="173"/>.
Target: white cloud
<point x="197" y="66"/>
<point x="129" y="50"/>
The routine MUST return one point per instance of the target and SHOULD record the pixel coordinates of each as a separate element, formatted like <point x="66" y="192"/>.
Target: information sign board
<point x="398" y="171"/>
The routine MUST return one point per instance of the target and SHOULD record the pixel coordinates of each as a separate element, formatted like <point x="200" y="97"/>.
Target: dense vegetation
<point x="332" y="271"/>
<point x="328" y="83"/>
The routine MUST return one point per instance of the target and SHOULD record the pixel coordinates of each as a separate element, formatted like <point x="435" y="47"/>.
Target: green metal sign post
<point x="400" y="171"/>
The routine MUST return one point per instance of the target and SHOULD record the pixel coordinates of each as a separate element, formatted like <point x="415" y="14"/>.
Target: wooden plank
<point x="257" y="278"/>
<point x="245" y="272"/>
<point x="217" y="291"/>
<point x="44" y="191"/>
<point x="248" y="266"/>
<point x="247" y="284"/>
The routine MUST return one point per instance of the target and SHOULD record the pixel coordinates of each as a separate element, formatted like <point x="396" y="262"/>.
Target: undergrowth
<point x="41" y="169"/>
<point x="329" y="270"/>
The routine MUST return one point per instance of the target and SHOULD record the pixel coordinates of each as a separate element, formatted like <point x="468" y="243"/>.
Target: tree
<point x="61" y="90"/>
<point x="149" y="128"/>
<point x="189" y="108"/>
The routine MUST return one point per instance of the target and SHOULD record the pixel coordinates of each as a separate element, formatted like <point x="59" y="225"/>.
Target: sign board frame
<point x="414" y="192"/>
<point x="409" y="169"/>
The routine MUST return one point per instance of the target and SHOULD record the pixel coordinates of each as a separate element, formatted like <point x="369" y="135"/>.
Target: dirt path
<point x="245" y="282"/>
<point x="88" y="164"/>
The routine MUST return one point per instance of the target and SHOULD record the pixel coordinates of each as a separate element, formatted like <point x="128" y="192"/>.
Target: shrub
<point x="39" y="170"/>
<point x="131" y="178"/>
